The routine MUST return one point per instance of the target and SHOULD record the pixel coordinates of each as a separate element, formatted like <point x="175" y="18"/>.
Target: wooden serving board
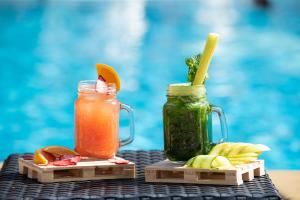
<point x="86" y="169"/>
<point x="174" y="172"/>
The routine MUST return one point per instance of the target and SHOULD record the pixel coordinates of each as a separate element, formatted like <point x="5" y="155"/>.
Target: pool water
<point x="46" y="47"/>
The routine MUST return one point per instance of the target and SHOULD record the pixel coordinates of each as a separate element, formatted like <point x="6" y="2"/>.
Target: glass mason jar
<point x="188" y="122"/>
<point x="97" y="121"/>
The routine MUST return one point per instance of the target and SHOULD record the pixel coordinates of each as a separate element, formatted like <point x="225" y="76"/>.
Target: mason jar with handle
<point x="187" y="117"/>
<point x="97" y="120"/>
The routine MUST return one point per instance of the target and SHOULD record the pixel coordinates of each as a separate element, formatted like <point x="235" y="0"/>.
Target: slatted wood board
<point x="174" y="172"/>
<point x="86" y="169"/>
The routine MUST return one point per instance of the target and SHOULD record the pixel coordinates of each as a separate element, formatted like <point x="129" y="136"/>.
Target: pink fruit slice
<point x="66" y="160"/>
<point x="118" y="161"/>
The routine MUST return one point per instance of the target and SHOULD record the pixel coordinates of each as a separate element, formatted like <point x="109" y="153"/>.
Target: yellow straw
<point x="207" y="54"/>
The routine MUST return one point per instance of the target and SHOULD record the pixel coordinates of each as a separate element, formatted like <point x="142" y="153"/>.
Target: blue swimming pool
<point x="46" y="47"/>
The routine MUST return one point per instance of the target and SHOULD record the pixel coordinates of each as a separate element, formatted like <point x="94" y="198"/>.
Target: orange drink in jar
<point x="97" y="120"/>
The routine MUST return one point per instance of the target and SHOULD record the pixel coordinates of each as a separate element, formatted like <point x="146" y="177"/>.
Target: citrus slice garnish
<point x="42" y="158"/>
<point x="59" y="151"/>
<point x="56" y="155"/>
<point x="108" y="74"/>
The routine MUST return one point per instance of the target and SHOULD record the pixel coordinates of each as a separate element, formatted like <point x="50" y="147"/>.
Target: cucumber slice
<point x="244" y="155"/>
<point x="203" y="161"/>
<point x="189" y="162"/>
<point x="250" y="148"/>
<point x="237" y="148"/>
<point x="256" y="148"/>
<point x="209" y="162"/>
<point x="226" y="149"/>
<point x="218" y="148"/>
<point x="220" y="161"/>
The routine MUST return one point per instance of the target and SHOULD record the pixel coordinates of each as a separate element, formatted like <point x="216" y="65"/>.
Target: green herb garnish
<point x="193" y="65"/>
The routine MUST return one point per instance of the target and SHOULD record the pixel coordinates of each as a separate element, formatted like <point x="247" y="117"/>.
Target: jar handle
<point x="129" y="110"/>
<point x="223" y="123"/>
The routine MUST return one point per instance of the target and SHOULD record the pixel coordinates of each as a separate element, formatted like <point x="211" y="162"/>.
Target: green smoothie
<point x="187" y="122"/>
<point x="187" y="113"/>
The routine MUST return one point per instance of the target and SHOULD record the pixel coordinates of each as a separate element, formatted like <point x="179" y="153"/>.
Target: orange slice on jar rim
<point x="108" y="74"/>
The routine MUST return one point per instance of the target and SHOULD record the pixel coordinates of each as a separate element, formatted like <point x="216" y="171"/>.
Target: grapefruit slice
<point x="59" y="151"/>
<point x="56" y="155"/>
<point x="108" y="74"/>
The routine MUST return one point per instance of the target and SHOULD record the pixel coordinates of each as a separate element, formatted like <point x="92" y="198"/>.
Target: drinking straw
<point x="205" y="59"/>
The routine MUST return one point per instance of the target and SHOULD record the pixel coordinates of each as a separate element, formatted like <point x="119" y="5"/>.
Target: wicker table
<point x="16" y="186"/>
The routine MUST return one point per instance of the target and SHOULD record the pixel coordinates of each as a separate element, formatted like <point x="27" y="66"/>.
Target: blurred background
<point x="46" y="47"/>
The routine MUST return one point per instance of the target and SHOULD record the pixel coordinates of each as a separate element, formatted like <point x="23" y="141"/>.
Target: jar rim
<point x="186" y="89"/>
<point x="90" y="86"/>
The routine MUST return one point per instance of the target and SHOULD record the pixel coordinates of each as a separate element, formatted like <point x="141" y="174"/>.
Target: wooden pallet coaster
<point x="86" y="169"/>
<point x="174" y="172"/>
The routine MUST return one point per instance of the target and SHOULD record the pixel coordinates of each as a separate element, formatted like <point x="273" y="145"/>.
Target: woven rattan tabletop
<point x="16" y="186"/>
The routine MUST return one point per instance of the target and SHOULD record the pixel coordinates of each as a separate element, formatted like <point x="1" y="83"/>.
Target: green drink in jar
<point x="187" y="119"/>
